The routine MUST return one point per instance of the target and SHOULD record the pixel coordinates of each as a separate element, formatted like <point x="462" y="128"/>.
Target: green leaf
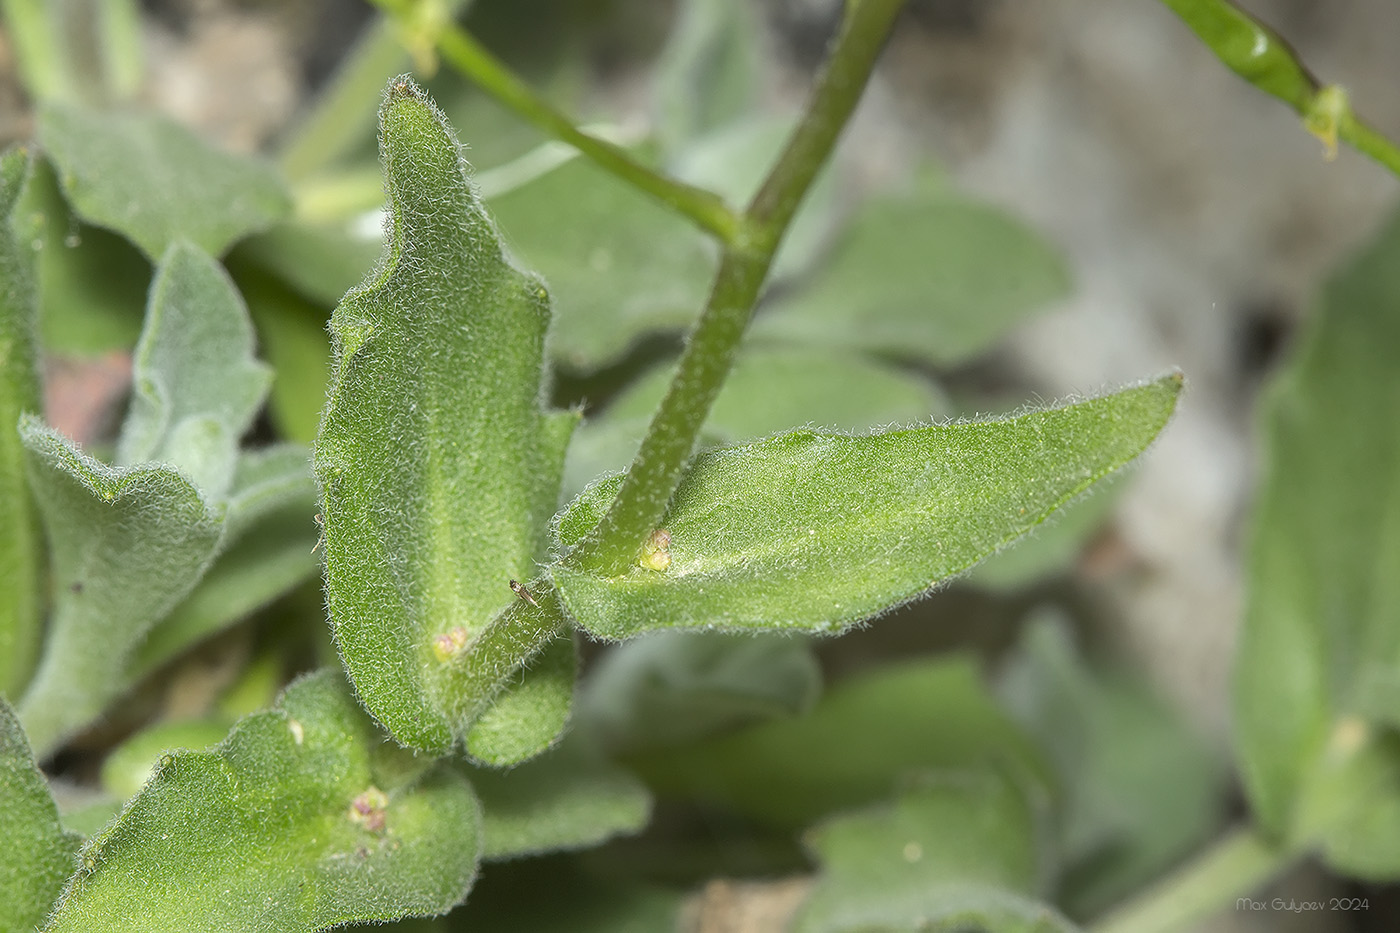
<point x="126" y="545"/>
<point x="438" y="466"/>
<point x="619" y="264"/>
<point x="155" y="182"/>
<point x="709" y="70"/>
<point x="92" y="283"/>
<point x="815" y="532"/>
<point x="197" y="384"/>
<point x="529" y="716"/>
<point x="293" y="338"/>
<point x="302" y="819"/>
<point x="1141" y="790"/>
<point x="568" y="798"/>
<point x="21" y="541"/>
<point x="672" y="688"/>
<point x="132" y="763"/>
<point x="508" y="900"/>
<point x="36" y="854"/>
<point x="1321" y="641"/>
<point x="770" y="389"/>
<point x="266" y="552"/>
<point x="931" y="277"/>
<point x="956" y="851"/>
<point x="859" y="741"/>
<point x="1053" y="547"/>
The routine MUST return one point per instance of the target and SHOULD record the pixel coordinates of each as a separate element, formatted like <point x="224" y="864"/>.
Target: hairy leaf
<point x="438" y="466"/>
<point x="126" y="545"/>
<point x="815" y="532"/>
<point x="528" y="717"/>
<point x="155" y="182"/>
<point x="1317" y="689"/>
<point x="36" y="854"/>
<point x="21" y="543"/>
<point x="266" y="551"/>
<point x="957" y="851"/>
<point x="302" y="819"/>
<point x="568" y="798"/>
<point x="853" y="748"/>
<point x="196" y="382"/>
<point x="932" y="277"/>
<point x="770" y="389"/>
<point x="619" y="264"/>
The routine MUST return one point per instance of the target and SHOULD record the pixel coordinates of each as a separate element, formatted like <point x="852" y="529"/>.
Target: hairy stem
<point x="459" y="49"/>
<point x="711" y="347"/>
<point x="1224" y="875"/>
<point x="1259" y="55"/>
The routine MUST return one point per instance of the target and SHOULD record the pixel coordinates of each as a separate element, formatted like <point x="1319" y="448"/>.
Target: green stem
<point x="1258" y="54"/>
<point x="1224" y="875"/>
<point x="710" y="350"/>
<point x="468" y="56"/>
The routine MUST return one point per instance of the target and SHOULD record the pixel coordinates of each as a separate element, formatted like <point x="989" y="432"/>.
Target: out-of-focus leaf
<point x="132" y="763"/>
<point x="129" y="542"/>
<point x="672" y="688"/>
<point x="1315" y="698"/>
<point x="439" y="467"/>
<point x="508" y="900"/>
<point x="568" y="798"/>
<point x="619" y="265"/>
<point x="709" y="70"/>
<point x="266" y="552"/>
<point x="931" y="277"/>
<point x="857" y="743"/>
<point x="293" y="338"/>
<point x="815" y="532"/>
<point x="302" y="819"/>
<point x="319" y="262"/>
<point x="36" y="854"/>
<point x="956" y="851"/>
<point x="733" y="160"/>
<point x="197" y="384"/>
<point x="126" y="545"/>
<point x="529" y="716"/>
<point x="92" y="282"/>
<point x="155" y="182"/>
<point x="770" y="389"/>
<point x="1141" y="791"/>
<point x="21" y="541"/>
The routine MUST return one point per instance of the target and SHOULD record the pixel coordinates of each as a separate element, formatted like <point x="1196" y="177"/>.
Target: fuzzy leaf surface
<point x="1317" y="687"/>
<point x="957" y="851"/>
<point x="36" y="854"/>
<point x="568" y="798"/>
<point x="125" y="546"/>
<point x="883" y="291"/>
<point x="814" y="532"/>
<point x="21" y="542"/>
<point x="530" y="715"/>
<point x="197" y="384"/>
<point x="155" y="182"/>
<point x="302" y="819"/>
<point x="438" y="465"/>
<point x="860" y="740"/>
<point x="266" y="551"/>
